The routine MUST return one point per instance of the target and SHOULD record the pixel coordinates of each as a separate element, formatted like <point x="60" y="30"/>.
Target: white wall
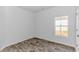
<point x="2" y="25"/>
<point x="19" y="25"/>
<point x="77" y="27"/>
<point x="45" y="24"/>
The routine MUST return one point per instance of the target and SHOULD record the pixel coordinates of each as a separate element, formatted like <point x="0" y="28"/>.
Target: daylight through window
<point x="61" y="26"/>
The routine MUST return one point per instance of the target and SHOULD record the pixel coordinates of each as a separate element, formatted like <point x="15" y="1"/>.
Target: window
<point x="61" y="26"/>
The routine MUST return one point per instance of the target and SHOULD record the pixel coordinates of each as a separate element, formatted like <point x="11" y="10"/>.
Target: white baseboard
<point x="40" y="38"/>
<point x="55" y="41"/>
<point x="15" y="43"/>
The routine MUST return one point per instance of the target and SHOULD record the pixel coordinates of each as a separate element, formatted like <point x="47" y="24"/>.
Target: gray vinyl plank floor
<point x="38" y="45"/>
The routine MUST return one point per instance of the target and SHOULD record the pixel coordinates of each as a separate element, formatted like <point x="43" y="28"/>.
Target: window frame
<point x="63" y="26"/>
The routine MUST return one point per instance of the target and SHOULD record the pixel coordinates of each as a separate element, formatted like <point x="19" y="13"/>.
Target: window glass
<point x="61" y="26"/>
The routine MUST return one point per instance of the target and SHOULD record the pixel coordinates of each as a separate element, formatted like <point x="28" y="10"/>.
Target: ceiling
<point x="35" y="8"/>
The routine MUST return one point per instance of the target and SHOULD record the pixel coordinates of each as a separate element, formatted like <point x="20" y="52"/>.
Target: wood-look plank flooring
<point x="38" y="45"/>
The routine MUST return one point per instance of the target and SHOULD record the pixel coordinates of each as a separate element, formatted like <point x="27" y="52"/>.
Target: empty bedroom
<point x="39" y="29"/>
